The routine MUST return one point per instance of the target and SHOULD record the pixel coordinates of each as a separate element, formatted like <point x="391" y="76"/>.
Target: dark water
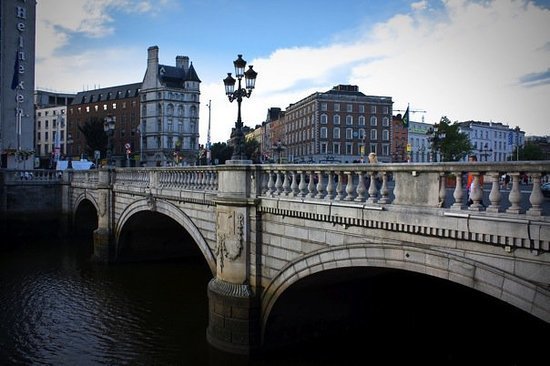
<point x="58" y="308"/>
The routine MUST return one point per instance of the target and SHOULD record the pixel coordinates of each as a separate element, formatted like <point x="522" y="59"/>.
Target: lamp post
<point x="517" y="142"/>
<point x="70" y="142"/>
<point x="485" y="151"/>
<point x="237" y="137"/>
<point x="109" y="128"/>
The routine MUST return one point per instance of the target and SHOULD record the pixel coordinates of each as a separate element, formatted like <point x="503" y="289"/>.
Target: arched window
<point x="361" y="120"/>
<point x="336" y="133"/>
<point x="373" y="121"/>
<point x="336" y="119"/>
<point x="373" y="135"/>
<point x="385" y="135"/>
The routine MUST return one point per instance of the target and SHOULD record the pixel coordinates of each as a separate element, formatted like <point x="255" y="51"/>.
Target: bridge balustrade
<point x="42" y="176"/>
<point x="398" y="184"/>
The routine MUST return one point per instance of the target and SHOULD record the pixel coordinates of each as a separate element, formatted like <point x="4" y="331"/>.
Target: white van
<point x="77" y="164"/>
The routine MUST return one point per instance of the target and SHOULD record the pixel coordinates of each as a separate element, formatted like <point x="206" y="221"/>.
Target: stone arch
<point x="465" y="271"/>
<point x="81" y="197"/>
<point x="174" y="213"/>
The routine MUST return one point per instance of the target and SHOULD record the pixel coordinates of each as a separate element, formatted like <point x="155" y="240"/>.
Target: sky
<point x="477" y="60"/>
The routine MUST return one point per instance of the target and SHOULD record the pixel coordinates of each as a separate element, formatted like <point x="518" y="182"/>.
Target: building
<point x="92" y="107"/>
<point x="170" y="101"/>
<point x="399" y="140"/>
<point x="493" y="141"/>
<point x="419" y="146"/>
<point x="339" y="125"/>
<point x="17" y="55"/>
<point x="51" y="126"/>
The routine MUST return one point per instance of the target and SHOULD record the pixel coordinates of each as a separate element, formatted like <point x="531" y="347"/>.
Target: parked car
<point x="545" y="188"/>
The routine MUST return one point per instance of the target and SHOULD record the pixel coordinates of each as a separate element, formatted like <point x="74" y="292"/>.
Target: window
<point x="386" y="149"/>
<point x="349" y="120"/>
<point x="323" y="132"/>
<point x="349" y="148"/>
<point x="361" y="133"/>
<point x="323" y="147"/>
<point x="336" y="133"/>
<point x="385" y="135"/>
<point x="361" y="120"/>
<point x="349" y="108"/>
<point x="324" y="119"/>
<point x="361" y="108"/>
<point x="336" y="107"/>
<point x="336" y="119"/>
<point x="372" y="148"/>
<point x="373" y="135"/>
<point x="373" y="109"/>
<point x="336" y="148"/>
<point x="324" y="106"/>
<point x="385" y="122"/>
<point x="373" y="121"/>
<point x="349" y="133"/>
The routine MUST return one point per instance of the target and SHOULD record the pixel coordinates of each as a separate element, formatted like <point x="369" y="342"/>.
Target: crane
<point x="411" y="111"/>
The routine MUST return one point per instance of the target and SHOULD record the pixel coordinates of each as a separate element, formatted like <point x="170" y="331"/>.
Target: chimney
<point x="182" y="62"/>
<point x="153" y="56"/>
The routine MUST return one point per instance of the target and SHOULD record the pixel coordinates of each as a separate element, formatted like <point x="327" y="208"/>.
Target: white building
<point x="419" y="147"/>
<point x="492" y="141"/>
<point x="170" y="100"/>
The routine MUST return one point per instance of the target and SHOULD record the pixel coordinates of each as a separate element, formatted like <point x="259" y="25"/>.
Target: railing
<point x="410" y="184"/>
<point x="34" y="176"/>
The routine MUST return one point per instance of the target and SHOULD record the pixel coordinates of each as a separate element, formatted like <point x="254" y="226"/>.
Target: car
<point x="545" y="188"/>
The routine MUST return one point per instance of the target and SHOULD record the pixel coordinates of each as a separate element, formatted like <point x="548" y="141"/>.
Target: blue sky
<point x="482" y="60"/>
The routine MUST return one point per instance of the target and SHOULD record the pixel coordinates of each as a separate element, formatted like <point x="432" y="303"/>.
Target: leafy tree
<point x="449" y="141"/>
<point x="96" y="138"/>
<point x="529" y="152"/>
<point x="252" y="150"/>
<point x="221" y="151"/>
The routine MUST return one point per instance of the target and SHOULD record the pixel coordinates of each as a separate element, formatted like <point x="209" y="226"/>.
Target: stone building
<point x="17" y="44"/>
<point x="92" y="106"/>
<point x="170" y="100"/>
<point x="51" y="126"/>
<point x="339" y="125"/>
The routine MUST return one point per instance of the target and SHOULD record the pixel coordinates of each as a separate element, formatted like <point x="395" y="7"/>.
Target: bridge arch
<point x="82" y="197"/>
<point x="174" y="213"/>
<point x="440" y="264"/>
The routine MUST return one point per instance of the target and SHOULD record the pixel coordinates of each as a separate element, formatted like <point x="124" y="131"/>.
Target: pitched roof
<point x="105" y="94"/>
<point x="173" y="76"/>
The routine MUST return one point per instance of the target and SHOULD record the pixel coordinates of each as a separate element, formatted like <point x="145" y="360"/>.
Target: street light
<point x="109" y="128"/>
<point x="517" y="129"/>
<point x="485" y="151"/>
<point x="70" y="142"/>
<point x="237" y="137"/>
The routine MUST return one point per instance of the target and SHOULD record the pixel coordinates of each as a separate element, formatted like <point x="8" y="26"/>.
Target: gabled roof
<point x="173" y="76"/>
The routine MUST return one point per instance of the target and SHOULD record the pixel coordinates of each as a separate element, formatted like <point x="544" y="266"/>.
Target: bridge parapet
<point x="421" y="185"/>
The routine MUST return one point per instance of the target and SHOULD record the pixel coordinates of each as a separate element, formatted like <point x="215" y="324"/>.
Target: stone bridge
<point x="263" y="228"/>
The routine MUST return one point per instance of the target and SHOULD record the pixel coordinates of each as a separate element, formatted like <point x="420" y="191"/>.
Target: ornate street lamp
<point x="109" y="128"/>
<point x="485" y="151"/>
<point x="70" y="142"/>
<point x="237" y="137"/>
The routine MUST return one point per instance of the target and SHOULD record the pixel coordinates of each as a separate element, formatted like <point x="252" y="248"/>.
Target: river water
<point x="59" y="308"/>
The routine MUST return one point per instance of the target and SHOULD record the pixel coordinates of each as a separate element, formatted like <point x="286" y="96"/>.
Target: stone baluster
<point x="320" y="184"/>
<point x="270" y="184"/>
<point x="264" y="181"/>
<point x="311" y="185"/>
<point x="286" y="183"/>
<point x="302" y="186"/>
<point x="515" y="195"/>
<point x="340" y="194"/>
<point x="536" y="198"/>
<point x="294" y="191"/>
<point x="384" y="191"/>
<point x="475" y="193"/>
<point x="330" y="186"/>
<point x="350" y="189"/>
<point x="360" y="190"/>
<point x="373" y="191"/>
<point x="494" y="195"/>
<point x="278" y="182"/>
<point x="458" y="192"/>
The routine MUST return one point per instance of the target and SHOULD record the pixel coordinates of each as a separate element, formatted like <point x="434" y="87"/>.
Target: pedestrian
<point x="470" y="182"/>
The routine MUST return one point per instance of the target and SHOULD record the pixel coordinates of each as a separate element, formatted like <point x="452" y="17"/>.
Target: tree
<point x="96" y="138"/>
<point x="221" y="151"/>
<point x="252" y="150"/>
<point x="529" y="152"/>
<point x="449" y="141"/>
